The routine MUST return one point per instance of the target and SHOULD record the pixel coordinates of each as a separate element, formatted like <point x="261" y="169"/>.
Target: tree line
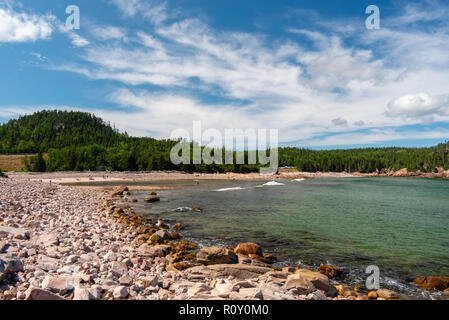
<point x="78" y="141"/>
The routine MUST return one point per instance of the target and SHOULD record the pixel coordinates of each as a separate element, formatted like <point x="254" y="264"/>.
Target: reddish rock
<point x="248" y="248"/>
<point x="330" y="271"/>
<point x="177" y="226"/>
<point x="372" y="295"/>
<point x="432" y="283"/>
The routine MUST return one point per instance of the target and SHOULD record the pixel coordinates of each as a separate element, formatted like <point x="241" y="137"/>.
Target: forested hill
<point x="44" y="130"/>
<point x="81" y="141"/>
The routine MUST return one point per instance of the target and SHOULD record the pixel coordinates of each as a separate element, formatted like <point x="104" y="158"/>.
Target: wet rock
<point x="212" y="255"/>
<point x="387" y="294"/>
<point x="319" y="280"/>
<point x="152" y="198"/>
<point x="372" y="295"/>
<point x="159" y="236"/>
<point x="118" y="191"/>
<point x="330" y="271"/>
<point x="248" y="248"/>
<point x="432" y="283"/>
<point x="177" y="226"/>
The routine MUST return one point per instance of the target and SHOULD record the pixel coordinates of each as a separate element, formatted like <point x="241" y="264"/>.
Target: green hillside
<point x="81" y="141"/>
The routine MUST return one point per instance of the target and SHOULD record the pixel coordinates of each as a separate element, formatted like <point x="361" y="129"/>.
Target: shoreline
<point x="65" y="242"/>
<point x="114" y="178"/>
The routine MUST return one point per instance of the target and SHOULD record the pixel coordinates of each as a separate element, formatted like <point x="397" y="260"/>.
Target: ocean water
<point x="399" y="224"/>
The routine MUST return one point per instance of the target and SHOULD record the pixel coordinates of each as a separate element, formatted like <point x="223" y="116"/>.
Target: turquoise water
<point x="398" y="224"/>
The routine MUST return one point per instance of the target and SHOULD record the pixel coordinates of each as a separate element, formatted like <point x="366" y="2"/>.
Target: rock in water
<point x="152" y="198"/>
<point x="118" y="191"/>
<point x="248" y="248"/>
<point x="211" y="255"/>
<point x="330" y="271"/>
<point x="432" y="283"/>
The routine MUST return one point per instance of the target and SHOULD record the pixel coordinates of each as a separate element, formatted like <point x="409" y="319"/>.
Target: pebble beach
<point x="64" y="242"/>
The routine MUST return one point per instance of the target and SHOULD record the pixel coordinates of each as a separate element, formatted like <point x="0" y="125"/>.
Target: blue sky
<point x="310" y="69"/>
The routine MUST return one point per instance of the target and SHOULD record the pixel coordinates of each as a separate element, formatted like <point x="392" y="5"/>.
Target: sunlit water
<point x="398" y="224"/>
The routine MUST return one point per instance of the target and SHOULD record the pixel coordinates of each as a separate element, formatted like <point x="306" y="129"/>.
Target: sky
<point x="311" y="69"/>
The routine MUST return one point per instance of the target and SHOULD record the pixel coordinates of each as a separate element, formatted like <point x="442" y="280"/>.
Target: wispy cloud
<point x="343" y="87"/>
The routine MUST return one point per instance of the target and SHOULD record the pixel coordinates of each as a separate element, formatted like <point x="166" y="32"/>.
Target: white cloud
<point x="419" y="106"/>
<point x="77" y="40"/>
<point x="24" y="27"/>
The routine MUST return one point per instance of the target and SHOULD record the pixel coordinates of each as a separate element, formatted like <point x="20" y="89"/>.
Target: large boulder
<point x="300" y="283"/>
<point x="238" y="271"/>
<point x="9" y="264"/>
<point x="432" y="283"/>
<point x="319" y="280"/>
<point x="212" y="255"/>
<point x="248" y="248"/>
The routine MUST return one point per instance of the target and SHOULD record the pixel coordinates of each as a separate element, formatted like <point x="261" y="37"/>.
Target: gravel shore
<point x="59" y="242"/>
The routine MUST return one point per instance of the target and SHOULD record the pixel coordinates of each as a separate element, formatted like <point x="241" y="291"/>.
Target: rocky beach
<point x="63" y="242"/>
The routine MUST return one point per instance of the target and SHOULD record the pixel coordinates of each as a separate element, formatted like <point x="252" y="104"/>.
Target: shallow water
<point x="398" y="224"/>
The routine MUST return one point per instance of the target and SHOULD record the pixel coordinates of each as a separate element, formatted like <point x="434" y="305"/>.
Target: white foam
<point x="300" y="179"/>
<point x="273" y="183"/>
<point x="230" y="189"/>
